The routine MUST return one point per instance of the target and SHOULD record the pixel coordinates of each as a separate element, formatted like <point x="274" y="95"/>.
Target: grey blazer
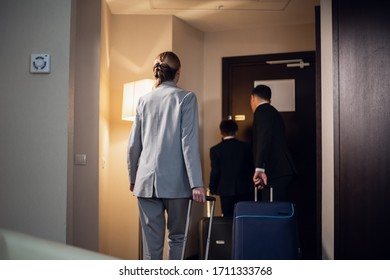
<point x="163" y="147"/>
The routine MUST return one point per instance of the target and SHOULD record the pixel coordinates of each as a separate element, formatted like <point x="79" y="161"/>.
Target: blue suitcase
<point x="265" y="231"/>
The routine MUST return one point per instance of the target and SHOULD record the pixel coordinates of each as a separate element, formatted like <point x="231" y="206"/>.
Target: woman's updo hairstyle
<point x="165" y="67"/>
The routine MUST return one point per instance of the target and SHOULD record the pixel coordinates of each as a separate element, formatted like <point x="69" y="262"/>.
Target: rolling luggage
<point x="207" y="246"/>
<point x="265" y="231"/>
<point x="220" y="247"/>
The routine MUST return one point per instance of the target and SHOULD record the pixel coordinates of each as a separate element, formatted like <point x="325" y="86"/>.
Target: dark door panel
<point x="362" y="129"/>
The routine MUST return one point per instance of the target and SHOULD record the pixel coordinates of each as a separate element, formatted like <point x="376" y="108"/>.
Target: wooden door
<point x="362" y="129"/>
<point x="239" y="76"/>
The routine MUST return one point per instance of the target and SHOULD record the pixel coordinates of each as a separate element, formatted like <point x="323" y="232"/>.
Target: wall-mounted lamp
<point x="131" y="94"/>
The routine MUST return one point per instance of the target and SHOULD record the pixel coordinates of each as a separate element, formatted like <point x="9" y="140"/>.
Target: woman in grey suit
<point x="163" y="159"/>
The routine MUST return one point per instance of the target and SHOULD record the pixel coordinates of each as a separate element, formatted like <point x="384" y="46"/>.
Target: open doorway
<point x="240" y="74"/>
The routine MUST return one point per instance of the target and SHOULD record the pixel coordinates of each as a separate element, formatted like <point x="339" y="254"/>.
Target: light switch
<point x="80" y="159"/>
<point x="40" y="63"/>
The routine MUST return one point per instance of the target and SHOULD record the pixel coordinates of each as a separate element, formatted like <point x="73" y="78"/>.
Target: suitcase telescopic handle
<point x="208" y="198"/>
<point x="212" y="199"/>
<point x="271" y="192"/>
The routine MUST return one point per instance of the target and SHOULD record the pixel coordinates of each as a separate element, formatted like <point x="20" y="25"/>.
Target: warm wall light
<point x="131" y="94"/>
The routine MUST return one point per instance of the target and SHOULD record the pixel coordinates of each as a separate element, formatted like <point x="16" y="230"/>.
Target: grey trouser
<point x="152" y="216"/>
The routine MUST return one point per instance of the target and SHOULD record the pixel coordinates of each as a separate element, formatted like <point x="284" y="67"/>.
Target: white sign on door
<point x="283" y="93"/>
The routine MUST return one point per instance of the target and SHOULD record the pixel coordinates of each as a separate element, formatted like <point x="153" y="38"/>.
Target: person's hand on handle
<point x="199" y="194"/>
<point x="260" y="179"/>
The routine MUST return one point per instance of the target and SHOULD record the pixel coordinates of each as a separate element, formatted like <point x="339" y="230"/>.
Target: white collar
<point x="262" y="103"/>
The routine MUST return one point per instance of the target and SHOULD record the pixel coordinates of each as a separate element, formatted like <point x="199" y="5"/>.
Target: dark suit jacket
<point x="270" y="144"/>
<point x="231" y="168"/>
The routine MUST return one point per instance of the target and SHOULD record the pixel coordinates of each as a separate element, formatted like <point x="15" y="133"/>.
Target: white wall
<point x="188" y="44"/>
<point x="104" y="128"/>
<point x="327" y="131"/>
<point x="34" y="117"/>
<point x="84" y="218"/>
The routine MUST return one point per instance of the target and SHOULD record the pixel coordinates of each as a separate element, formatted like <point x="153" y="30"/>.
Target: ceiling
<point x="222" y="15"/>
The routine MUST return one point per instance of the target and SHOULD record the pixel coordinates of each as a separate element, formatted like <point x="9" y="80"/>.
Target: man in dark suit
<point x="231" y="169"/>
<point x="273" y="163"/>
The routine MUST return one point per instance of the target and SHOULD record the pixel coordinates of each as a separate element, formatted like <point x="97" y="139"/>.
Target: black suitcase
<point x="265" y="231"/>
<point x="220" y="239"/>
<point x="206" y="250"/>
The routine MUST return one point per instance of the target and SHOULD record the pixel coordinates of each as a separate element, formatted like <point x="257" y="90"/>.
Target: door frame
<point x="229" y="62"/>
